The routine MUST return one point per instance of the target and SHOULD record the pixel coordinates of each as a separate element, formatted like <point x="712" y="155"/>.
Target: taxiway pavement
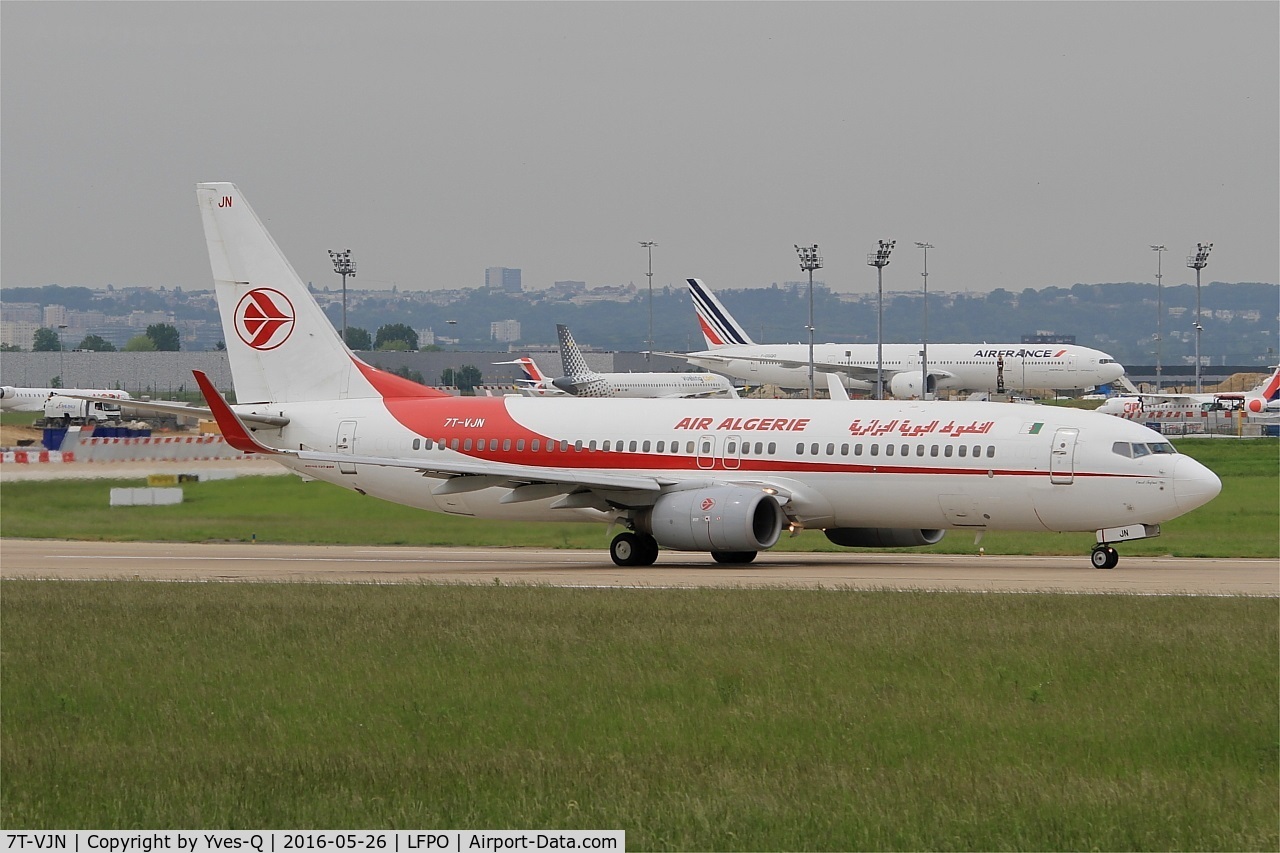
<point x="162" y="561"/>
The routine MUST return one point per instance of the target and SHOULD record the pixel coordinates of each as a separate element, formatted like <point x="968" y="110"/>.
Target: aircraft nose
<point x="1194" y="485"/>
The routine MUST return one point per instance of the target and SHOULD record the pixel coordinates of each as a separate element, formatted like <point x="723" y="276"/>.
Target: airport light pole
<point x="62" y="356"/>
<point x="880" y="259"/>
<point x="344" y="265"/>
<point x="1159" y="250"/>
<point x="810" y="260"/>
<point x="649" y="244"/>
<point x="924" y="348"/>
<point x="1197" y="262"/>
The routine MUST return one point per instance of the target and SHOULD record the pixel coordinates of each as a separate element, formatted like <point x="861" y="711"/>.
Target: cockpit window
<point x="1106" y="361"/>
<point x="1134" y="450"/>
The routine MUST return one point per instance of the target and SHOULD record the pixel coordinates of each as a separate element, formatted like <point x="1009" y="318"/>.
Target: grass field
<point x="693" y="719"/>
<point x="1244" y="521"/>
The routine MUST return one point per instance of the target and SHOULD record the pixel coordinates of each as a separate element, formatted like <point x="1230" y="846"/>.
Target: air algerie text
<point x="761" y="424"/>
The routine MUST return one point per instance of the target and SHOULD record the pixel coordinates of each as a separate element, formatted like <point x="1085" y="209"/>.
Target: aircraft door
<point x="732" y="451"/>
<point x="706" y="451"/>
<point x="346" y="443"/>
<point x="1062" y="456"/>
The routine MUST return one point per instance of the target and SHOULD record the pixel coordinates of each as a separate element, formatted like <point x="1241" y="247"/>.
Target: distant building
<point x="505" y="331"/>
<point x="1047" y="338"/>
<point x="503" y="279"/>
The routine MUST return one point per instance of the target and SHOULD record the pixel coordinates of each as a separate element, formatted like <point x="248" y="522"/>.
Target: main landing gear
<point x="634" y="549"/>
<point x="1104" y="557"/>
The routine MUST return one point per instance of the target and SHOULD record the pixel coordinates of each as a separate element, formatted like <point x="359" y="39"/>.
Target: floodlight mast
<point x="344" y="265"/>
<point x="649" y="244"/>
<point x="1159" y="250"/>
<point x="810" y="260"/>
<point x="924" y="344"/>
<point x="880" y="259"/>
<point x="1197" y="262"/>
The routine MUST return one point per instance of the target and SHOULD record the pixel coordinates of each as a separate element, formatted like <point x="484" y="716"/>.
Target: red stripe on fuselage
<point x="486" y="419"/>
<point x="391" y="386"/>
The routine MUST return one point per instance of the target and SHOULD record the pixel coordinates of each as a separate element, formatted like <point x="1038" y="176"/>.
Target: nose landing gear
<point x="1104" y="557"/>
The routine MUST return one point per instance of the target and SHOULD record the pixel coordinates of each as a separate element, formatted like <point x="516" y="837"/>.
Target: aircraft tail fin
<point x="280" y="345"/>
<point x="575" y="366"/>
<point x="1270" y="390"/>
<point x="718" y="326"/>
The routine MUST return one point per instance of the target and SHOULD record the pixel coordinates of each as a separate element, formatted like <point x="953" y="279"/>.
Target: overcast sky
<point x="1033" y="144"/>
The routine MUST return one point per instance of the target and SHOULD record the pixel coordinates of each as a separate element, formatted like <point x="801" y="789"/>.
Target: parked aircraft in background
<point x="986" y="367"/>
<point x="581" y="381"/>
<point x="718" y="476"/>
<point x="13" y="399"/>
<point x="1261" y="402"/>
<point x="534" y="383"/>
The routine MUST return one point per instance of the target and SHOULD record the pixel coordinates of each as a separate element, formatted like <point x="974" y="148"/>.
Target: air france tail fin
<point x="718" y="326"/>
<point x="1270" y="390"/>
<point x="281" y="346"/>
<point x="531" y="370"/>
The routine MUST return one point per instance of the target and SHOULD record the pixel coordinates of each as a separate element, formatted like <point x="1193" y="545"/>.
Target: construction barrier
<point x="26" y="456"/>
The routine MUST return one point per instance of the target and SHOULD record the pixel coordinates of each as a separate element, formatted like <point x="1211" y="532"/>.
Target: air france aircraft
<point x="724" y="477"/>
<point x="581" y="381"/>
<point x="1261" y="402"/>
<point x="965" y="367"/>
<point x="13" y="399"/>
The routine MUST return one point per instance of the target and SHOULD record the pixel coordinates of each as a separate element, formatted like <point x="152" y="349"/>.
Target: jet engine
<point x="883" y="537"/>
<point x="904" y="386"/>
<point x="6" y="392"/>
<point x="720" y="518"/>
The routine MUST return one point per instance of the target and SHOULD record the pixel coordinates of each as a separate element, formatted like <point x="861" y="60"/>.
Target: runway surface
<point x="155" y="561"/>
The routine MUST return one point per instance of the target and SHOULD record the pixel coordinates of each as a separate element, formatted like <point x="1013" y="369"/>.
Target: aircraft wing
<point x="180" y="409"/>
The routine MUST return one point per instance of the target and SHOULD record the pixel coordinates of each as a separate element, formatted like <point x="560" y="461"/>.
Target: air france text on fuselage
<point x="1018" y="353"/>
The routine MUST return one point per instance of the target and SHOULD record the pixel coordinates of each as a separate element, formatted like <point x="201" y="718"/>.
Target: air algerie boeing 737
<point x="964" y="367"/>
<point x="718" y="476"/>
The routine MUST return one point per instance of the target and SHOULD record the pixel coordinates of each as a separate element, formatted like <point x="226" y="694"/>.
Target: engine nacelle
<point x="720" y="518"/>
<point x="883" y="537"/>
<point x="903" y="386"/>
<point x="6" y="392"/>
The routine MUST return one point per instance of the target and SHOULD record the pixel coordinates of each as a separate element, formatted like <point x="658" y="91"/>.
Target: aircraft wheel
<point x="1104" y="557"/>
<point x="650" y="553"/>
<point x="733" y="556"/>
<point x="632" y="549"/>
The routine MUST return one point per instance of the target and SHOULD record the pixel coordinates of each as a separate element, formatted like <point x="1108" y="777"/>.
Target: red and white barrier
<point x="23" y="457"/>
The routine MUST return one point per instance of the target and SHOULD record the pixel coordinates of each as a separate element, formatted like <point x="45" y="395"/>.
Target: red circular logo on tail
<point x="264" y="318"/>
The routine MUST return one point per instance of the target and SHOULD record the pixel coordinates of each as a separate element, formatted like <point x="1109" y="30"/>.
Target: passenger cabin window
<point x="417" y="442"/>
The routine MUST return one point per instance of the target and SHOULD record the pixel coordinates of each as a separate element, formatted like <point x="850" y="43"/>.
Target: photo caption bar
<point x="287" y="841"/>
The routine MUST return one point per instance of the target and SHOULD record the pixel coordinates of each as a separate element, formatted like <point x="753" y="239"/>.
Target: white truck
<point x="65" y="411"/>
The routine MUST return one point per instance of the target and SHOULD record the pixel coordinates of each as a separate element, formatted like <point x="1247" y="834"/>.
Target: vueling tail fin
<point x="575" y="366"/>
<point x="281" y="346"/>
<point x="718" y="326"/>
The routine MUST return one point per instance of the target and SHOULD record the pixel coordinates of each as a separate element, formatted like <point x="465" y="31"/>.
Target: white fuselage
<point x="868" y="464"/>
<point x="645" y="385"/>
<point x="967" y="367"/>
<point x="15" y="399"/>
